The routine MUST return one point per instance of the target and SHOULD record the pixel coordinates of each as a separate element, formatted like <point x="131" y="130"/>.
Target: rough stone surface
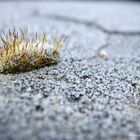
<point x="94" y="92"/>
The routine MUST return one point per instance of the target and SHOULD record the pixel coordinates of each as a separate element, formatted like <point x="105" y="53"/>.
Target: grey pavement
<point x="93" y="93"/>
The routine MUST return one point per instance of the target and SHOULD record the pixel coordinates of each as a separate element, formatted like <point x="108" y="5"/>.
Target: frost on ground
<point x="84" y="96"/>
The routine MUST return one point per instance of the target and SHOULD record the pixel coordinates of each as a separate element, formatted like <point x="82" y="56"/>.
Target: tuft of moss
<point x="19" y="53"/>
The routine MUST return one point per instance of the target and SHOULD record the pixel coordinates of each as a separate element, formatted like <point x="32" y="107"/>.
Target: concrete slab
<point x="84" y="96"/>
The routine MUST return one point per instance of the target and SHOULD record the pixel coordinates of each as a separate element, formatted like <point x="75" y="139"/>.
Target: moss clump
<point x="19" y="53"/>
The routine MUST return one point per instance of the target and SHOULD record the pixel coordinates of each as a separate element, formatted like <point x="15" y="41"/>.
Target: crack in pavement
<point x="100" y="52"/>
<point x="92" y="24"/>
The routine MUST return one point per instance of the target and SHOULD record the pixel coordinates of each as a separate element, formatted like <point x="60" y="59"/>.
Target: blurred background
<point x="70" y="0"/>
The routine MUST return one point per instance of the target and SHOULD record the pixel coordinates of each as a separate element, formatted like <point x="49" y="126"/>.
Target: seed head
<point x="19" y="53"/>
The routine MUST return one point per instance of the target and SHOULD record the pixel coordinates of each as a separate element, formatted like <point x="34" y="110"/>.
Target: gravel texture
<point x="94" y="92"/>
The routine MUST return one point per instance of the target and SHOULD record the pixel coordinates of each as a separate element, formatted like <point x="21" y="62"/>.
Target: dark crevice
<point x="79" y="59"/>
<point x="92" y="24"/>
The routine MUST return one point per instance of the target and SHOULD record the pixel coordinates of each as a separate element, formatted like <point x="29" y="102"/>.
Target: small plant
<point x="19" y="53"/>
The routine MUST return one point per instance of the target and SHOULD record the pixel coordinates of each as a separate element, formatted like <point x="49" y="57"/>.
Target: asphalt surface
<point x="93" y="93"/>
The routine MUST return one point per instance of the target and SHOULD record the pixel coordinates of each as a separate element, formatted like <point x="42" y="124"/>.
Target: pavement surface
<point x="93" y="93"/>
